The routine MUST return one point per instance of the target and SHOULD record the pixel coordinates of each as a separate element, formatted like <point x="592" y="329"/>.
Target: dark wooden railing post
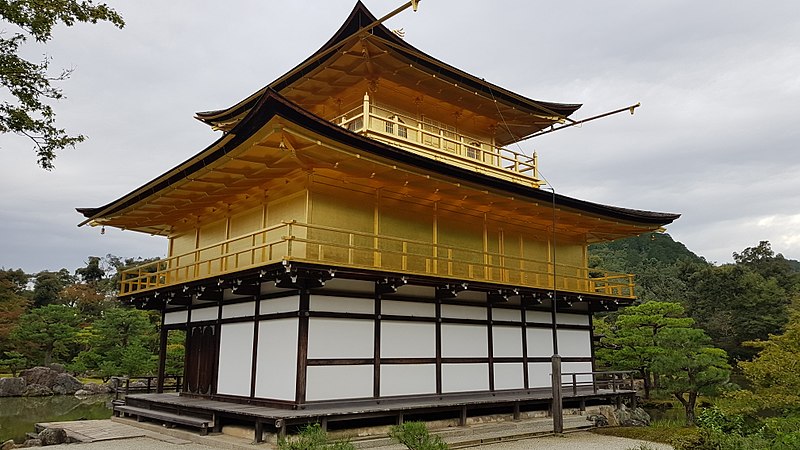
<point x="557" y="409"/>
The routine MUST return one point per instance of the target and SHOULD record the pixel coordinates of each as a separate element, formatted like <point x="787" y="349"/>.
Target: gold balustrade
<point x="294" y="241"/>
<point x="440" y="142"/>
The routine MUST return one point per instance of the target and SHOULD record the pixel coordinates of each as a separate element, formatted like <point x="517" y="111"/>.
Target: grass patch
<point x="665" y="434"/>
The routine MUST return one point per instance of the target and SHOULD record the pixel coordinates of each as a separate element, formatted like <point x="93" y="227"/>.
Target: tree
<point x="735" y="304"/>
<point x="774" y="374"/>
<point x="631" y="340"/>
<point x="762" y="260"/>
<point x="29" y="84"/>
<point x="122" y="342"/>
<point x="46" y="333"/>
<point x="47" y="286"/>
<point x="690" y="366"/>
<point x="85" y="298"/>
<point x="13" y="303"/>
<point x="92" y="273"/>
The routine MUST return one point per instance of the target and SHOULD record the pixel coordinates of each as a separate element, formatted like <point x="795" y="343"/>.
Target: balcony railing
<point x="294" y="241"/>
<point x="439" y="141"/>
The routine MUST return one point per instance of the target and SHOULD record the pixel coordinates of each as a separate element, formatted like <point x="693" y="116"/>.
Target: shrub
<point x="415" y="436"/>
<point x="313" y="437"/>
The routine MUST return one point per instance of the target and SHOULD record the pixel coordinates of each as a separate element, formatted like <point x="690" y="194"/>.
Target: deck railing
<point x="439" y="141"/>
<point x="599" y="381"/>
<point x="294" y="241"/>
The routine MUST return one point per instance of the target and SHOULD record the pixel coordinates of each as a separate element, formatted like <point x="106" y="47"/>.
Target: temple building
<point x="361" y="241"/>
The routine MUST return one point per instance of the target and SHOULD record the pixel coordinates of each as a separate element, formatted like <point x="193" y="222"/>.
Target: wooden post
<point x="162" y="360"/>
<point x="557" y="409"/>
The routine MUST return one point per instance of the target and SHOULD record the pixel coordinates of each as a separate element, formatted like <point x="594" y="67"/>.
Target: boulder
<point x="12" y="387"/>
<point x="58" y="368"/>
<point x="599" y="420"/>
<point x="83" y="393"/>
<point x="37" y="390"/>
<point x="53" y="436"/>
<point x="32" y="443"/>
<point x="7" y="445"/>
<point x="40" y="375"/>
<point x="609" y="413"/>
<point x="66" y="384"/>
<point x="94" y="388"/>
<point x="635" y="417"/>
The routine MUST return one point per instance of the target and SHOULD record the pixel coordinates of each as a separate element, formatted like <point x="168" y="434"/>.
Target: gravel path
<point x="571" y="441"/>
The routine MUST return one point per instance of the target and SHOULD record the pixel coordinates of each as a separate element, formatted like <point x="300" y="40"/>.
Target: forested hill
<point x="650" y="248"/>
<point x="742" y="301"/>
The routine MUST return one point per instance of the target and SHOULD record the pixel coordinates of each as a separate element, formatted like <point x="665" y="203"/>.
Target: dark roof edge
<point x="359" y="17"/>
<point x="271" y="104"/>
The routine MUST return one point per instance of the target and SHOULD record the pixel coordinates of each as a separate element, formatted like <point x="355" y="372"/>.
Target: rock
<point x="33" y="443"/>
<point x="66" y="384"/>
<point x="7" y="445"/>
<point x="94" y="388"/>
<point x="83" y="393"/>
<point x="636" y="417"/>
<point x="609" y="413"/>
<point x="137" y="384"/>
<point x="12" y="387"/>
<point x="37" y="390"/>
<point x="40" y="375"/>
<point x="58" y="368"/>
<point x="599" y="420"/>
<point x="53" y="436"/>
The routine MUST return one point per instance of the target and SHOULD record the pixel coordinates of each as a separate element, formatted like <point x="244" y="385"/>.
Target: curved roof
<point x="270" y="104"/>
<point x="361" y="17"/>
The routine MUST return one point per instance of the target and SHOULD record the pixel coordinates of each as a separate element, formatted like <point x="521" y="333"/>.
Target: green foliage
<point x="313" y="437"/>
<point x="176" y="352"/>
<point x="47" y="334"/>
<point x="92" y="273"/>
<point x="690" y="366"/>
<point x="774" y="374"/>
<point x="415" y="436"/>
<point x="29" y="85"/>
<point x="47" y="286"/>
<point x="631" y="339"/>
<point x="13" y="361"/>
<point x="735" y="304"/>
<point x="13" y="303"/>
<point x="122" y="342"/>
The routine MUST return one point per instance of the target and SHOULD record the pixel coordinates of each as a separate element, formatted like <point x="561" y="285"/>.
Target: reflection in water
<point x="19" y="414"/>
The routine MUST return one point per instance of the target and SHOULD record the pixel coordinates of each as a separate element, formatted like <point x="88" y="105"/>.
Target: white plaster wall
<point x="464" y="312"/>
<point x="279" y="305"/>
<point x="339" y="382"/>
<point x="539" y="374"/>
<point x="247" y="309"/>
<point x="574" y="343"/>
<point x="464" y="341"/>
<point x="408" y="379"/>
<point x="342" y="304"/>
<point x="465" y="377"/>
<point x="540" y="342"/>
<point x="340" y="338"/>
<point x="507" y="315"/>
<point x="276" y="369"/>
<point x="175" y="317"/>
<point x="537" y="317"/>
<point x="573" y="319"/>
<point x="506" y="341"/>
<point x="509" y="376"/>
<point x="235" y="358"/>
<point x="207" y="313"/>
<point x="414" y="309"/>
<point x="408" y="339"/>
<point x="576" y="367"/>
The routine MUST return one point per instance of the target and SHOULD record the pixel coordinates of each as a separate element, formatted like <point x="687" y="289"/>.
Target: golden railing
<point x="439" y="141"/>
<point x="294" y="241"/>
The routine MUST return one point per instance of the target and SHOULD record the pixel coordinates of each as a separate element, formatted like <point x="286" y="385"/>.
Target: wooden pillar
<point x="557" y="408"/>
<point x="302" y="347"/>
<point x="162" y="357"/>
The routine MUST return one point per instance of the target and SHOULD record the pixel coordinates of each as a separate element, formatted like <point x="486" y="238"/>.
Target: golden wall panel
<point x="412" y="225"/>
<point x="210" y="234"/>
<point x="347" y="210"/>
<point x="240" y="250"/>
<point x="291" y="207"/>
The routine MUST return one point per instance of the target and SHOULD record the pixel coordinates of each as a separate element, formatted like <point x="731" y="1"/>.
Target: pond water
<point x="19" y="414"/>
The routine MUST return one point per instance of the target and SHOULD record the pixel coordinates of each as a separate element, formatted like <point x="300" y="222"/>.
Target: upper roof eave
<point x="271" y="104"/>
<point x="360" y="17"/>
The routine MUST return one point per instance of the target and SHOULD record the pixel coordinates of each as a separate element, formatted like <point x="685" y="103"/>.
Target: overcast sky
<point x="716" y="138"/>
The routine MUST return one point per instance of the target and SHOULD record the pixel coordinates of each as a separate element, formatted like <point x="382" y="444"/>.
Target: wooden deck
<point x="277" y="419"/>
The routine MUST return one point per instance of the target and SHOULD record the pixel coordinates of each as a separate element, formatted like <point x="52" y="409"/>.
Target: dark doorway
<point x="202" y="347"/>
